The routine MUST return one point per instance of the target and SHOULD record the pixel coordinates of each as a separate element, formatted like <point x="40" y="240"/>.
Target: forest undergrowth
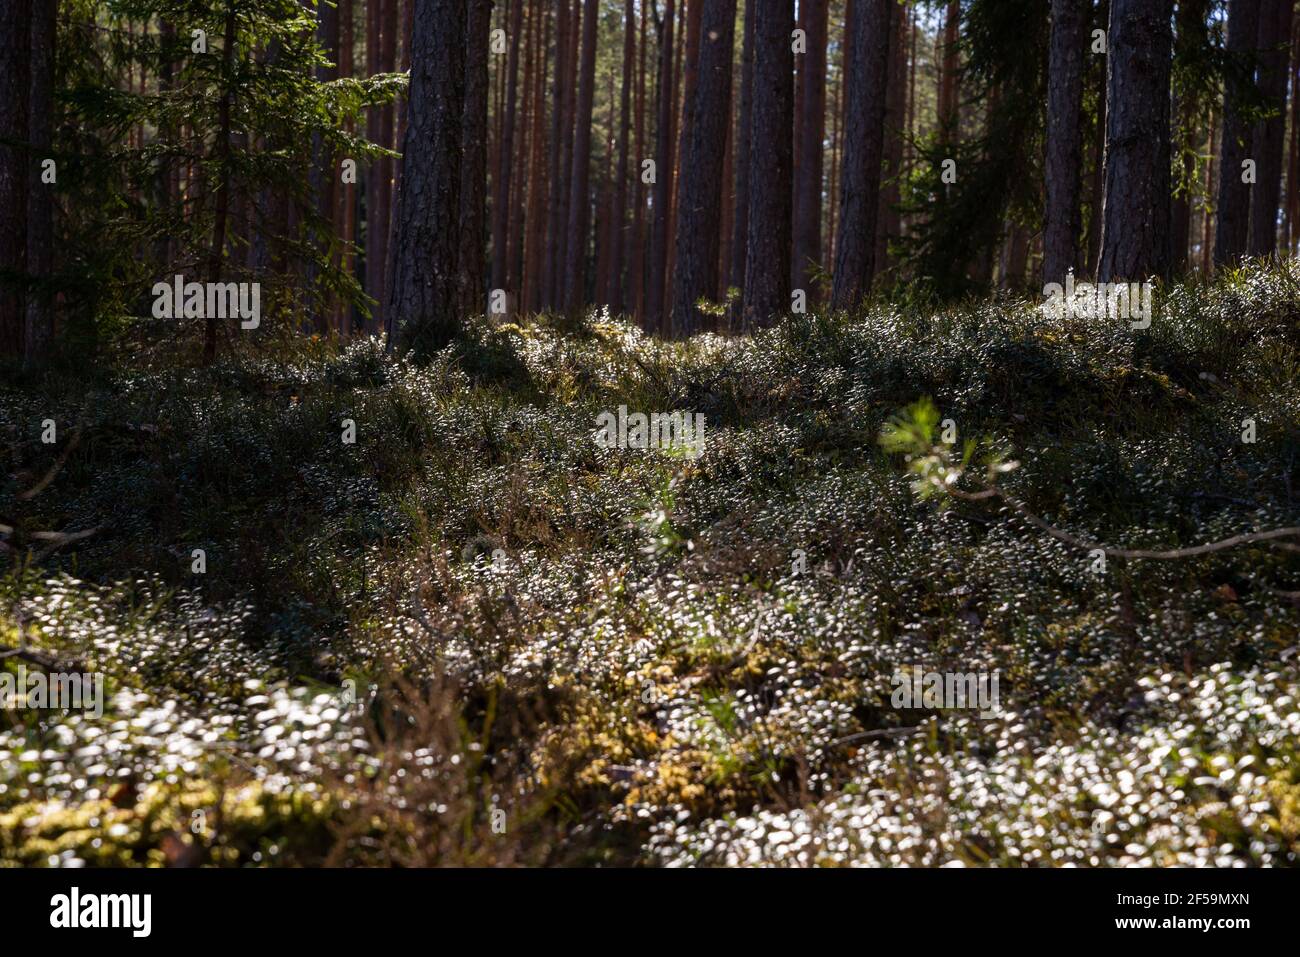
<point x="475" y="636"/>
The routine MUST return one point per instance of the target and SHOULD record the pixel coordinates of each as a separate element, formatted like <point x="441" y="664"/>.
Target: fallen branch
<point x="1245" y="538"/>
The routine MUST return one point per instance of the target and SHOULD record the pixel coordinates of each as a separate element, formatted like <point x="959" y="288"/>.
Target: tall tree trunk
<point x="522" y="150"/>
<point x="323" y="175"/>
<point x="1293" y="176"/>
<point x="15" y="56"/>
<point x="40" y="201"/>
<point x="221" y="148"/>
<point x="1062" y="217"/>
<point x="473" y="180"/>
<point x="501" y="200"/>
<point x="555" y="160"/>
<point x="424" y="296"/>
<point x="1191" y="37"/>
<point x="744" y="133"/>
<point x="1097" y="176"/>
<point x="569" y="89"/>
<point x="812" y="131"/>
<point x="387" y="166"/>
<point x="1232" y="228"/>
<point x="863" y="149"/>
<point x="949" y="97"/>
<point x="1135" y="217"/>
<point x="618" y="228"/>
<point x="887" y="220"/>
<point x="663" y="186"/>
<point x="346" y="214"/>
<point x="696" y="274"/>
<point x="535" y="222"/>
<point x="1270" y="134"/>
<point x="373" y="248"/>
<point x="575" y="272"/>
<point x="767" y="267"/>
<point x="1207" y="221"/>
<point x="636" y="276"/>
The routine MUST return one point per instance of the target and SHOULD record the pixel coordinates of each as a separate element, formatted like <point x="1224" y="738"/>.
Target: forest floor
<point x="474" y="635"/>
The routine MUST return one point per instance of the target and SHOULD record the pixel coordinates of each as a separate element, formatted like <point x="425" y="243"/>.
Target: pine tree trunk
<point x="1097" y="177"/>
<point x="323" y="175"/>
<point x="221" y="154"/>
<point x="949" y="101"/>
<point x="1062" y="217"/>
<point x="1135" y="226"/>
<point x="346" y="210"/>
<point x="473" y="180"/>
<point x="555" y="221"/>
<point x="1270" y="134"/>
<point x="812" y="131"/>
<point x="863" y="149"/>
<point x="523" y="149"/>
<point x="575" y="272"/>
<point x="40" y="202"/>
<point x="636" y="276"/>
<point x="15" y="55"/>
<point x="744" y="133"/>
<point x="663" y="186"/>
<point x="1293" y="177"/>
<point x="373" y="252"/>
<point x="387" y="166"/>
<point x="423" y="303"/>
<point x="501" y="200"/>
<point x="535" y="220"/>
<point x="618" y="228"/>
<point x="767" y="265"/>
<point x="698" y="225"/>
<point x="887" y="220"/>
<point x="1190" y="38"/>
<point x="1232" y="227"/>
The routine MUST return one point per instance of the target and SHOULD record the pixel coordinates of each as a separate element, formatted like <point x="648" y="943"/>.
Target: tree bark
<point x="535" y="220"/>
<point x="863" y="148"/>
<point x="698" y="224"/>
<point x="40" y="201"/>
<point x="424" y="297"/>
<point x="1293" y="176"/>
<point x="575" y="273"/>
<point x="888" y="219"/>
<point x="1270" y="134"/>
<point x="323" y="174"/>
<point x="473" y="180"/>
<point x="744" y="132"/>
<point x="767" y="265"/>
<point x="1233" y="221"/>
<point x="501" y="200"/>
<point x="387" y="165"/>
<point x="1097" y="177"/>
<point x="663" y="186"/>
<point x="221" y="151"/>
<point x="1062" y="217"/>
<point x="618" y="228"/>
<point x="808" y="186"/>
<point x="1191" y="38"/>
<point x="950" y="63"/>
<point x="555" y="161"/>
<point x="15" y="55"/>
<point x="1135" y="217"/>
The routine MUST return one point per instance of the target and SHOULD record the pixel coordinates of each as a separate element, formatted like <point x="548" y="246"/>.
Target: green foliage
<point x="648" y="677"/>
